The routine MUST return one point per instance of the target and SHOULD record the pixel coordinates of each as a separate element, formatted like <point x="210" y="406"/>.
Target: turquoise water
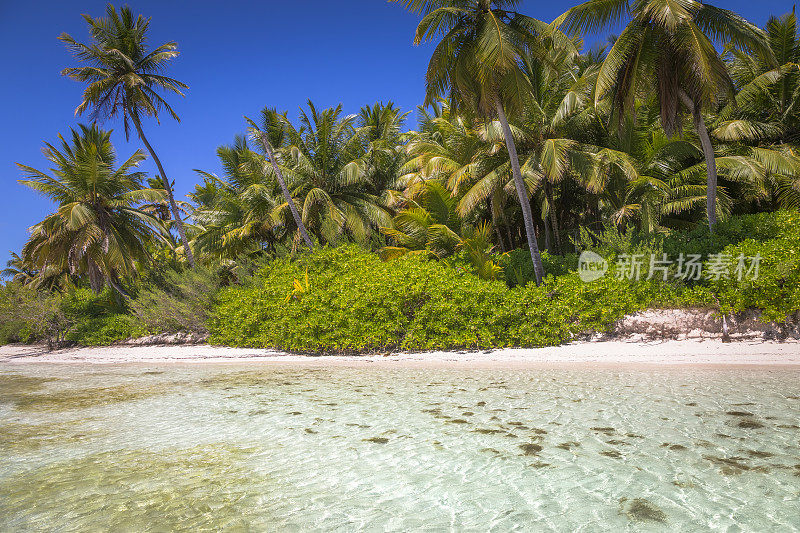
<point x="248" y="447"/>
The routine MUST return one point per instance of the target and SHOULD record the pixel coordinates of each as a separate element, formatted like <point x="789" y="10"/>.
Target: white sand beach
<point x="669" y="352"/>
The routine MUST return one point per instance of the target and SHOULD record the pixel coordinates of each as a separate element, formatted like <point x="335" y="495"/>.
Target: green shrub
<point x="179" y="301"/>
<point x="31" y="315"/>
<point x="776" y="289"/>
<point x="104" y="330"/>
<point x="355" y="302"/>
<point x="518" y="267"/>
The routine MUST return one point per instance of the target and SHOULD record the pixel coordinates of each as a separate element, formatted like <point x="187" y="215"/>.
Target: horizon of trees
<point x="525" y="138"/>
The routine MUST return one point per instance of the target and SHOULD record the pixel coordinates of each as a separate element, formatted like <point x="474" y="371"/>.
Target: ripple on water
<point x="245" y="447"/>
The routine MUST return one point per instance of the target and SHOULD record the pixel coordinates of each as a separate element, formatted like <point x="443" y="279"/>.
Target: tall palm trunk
<point x="496" y="224"/>
<point x="708" y="153"/>
<point x="176" y="214"/>
<point x="522" y="192"/>
<point x="286" y="195"/>
<point x="548" y="192"/>
<point x="548" y="245"/>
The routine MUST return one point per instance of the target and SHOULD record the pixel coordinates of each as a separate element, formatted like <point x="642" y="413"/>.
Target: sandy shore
<point x="673" y="352"/>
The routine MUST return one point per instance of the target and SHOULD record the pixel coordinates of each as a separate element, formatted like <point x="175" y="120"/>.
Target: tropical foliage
<point x="681" y="134"/>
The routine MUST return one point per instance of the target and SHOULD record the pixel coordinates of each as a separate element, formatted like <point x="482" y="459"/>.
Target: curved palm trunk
<point x="711" y="162"/>
<point x="286" y="195"/>
<point x="113" y="280"/>
<point x="171" y="197"/>
<point x="522" y="192"/>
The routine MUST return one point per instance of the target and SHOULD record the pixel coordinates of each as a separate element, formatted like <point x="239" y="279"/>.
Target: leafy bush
<point x="355" y="302"/>
<point x="30" y="315"/>
<point x="104" y="330"/>
<point x="180" y="301"/>
<point x="518" y="267"/>
<point x="776" y="289"/>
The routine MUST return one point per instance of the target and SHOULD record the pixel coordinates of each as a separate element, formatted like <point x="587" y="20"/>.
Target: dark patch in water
<point x="458" y="421"/>
<point x="467" y="413"/>
<point x="734" y="465"/>
<point x="750" y="424"/>
<point x="691" y="404"/>
<point x="530" y="448"/>
<point x="641" y="510"/>
<point x="674" y="447"/>
<point x="539" y="464"/>
<point x="614" y="454"/>
<point x="568" y="445"/>
<point x="93" y="397"/>
<point x="738" y="413"/>
<point x="486" y="431"/>
<point x="294" y="413"/>
<point x="606" y="430"/>
<point x="309" y="430"/>
<point x="377" y="440"/>
<point x="759" y="454"/>
<point x="615" y="442"/>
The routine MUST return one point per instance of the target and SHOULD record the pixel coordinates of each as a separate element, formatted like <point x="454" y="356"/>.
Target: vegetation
<point x="346" y="233"/>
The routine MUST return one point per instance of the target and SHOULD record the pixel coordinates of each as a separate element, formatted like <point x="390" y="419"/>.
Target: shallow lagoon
<point x="241" y="447"/>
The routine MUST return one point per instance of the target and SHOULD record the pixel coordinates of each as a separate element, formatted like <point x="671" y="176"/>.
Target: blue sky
<point x="236" y="57"/>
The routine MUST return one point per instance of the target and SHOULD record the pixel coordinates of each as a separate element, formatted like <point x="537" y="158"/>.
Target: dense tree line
<point x="689" y="116"/>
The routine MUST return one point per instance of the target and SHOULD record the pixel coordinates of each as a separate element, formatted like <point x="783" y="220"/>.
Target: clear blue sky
<point x="236" y="57"/>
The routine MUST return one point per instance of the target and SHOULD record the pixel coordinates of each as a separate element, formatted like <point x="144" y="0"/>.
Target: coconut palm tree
<point x="450" y="149"/>
<point x="124" y="78"/>
<point x="19" y="270"/>
<point x="477" y="63"/>
<point x="763" y="119"/>
<point x="97" y="231"/>
<point x="327" y="167"/>
<point x="235" y="213"/>
<point x="270" y="134"/>
<point x="766" y="108"/>
<point x="667" y="49"/>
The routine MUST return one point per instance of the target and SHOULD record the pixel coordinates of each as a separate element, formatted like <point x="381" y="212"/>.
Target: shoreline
<point x="695" y="352"/>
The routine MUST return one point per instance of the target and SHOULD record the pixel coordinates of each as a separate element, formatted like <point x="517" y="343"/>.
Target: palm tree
<point x="235" y="213"/>
<point x="380" y="126"/>
<point x="764" y="117"/>
<point x="477" y="61"/>
<point x="19" y="270"/>
<point x="272" y="132"/>
<point x="450" y="149"/>
<point x="666" y="49"/>
<point x="428" y="225"/>
<point x="124" y="78"/>
<point x="97" y="230"/>
<point x="327" y="165"/>
<point x="432" y="227"/>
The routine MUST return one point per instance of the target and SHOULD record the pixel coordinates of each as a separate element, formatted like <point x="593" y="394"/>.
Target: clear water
<point x="238" y="447"/>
